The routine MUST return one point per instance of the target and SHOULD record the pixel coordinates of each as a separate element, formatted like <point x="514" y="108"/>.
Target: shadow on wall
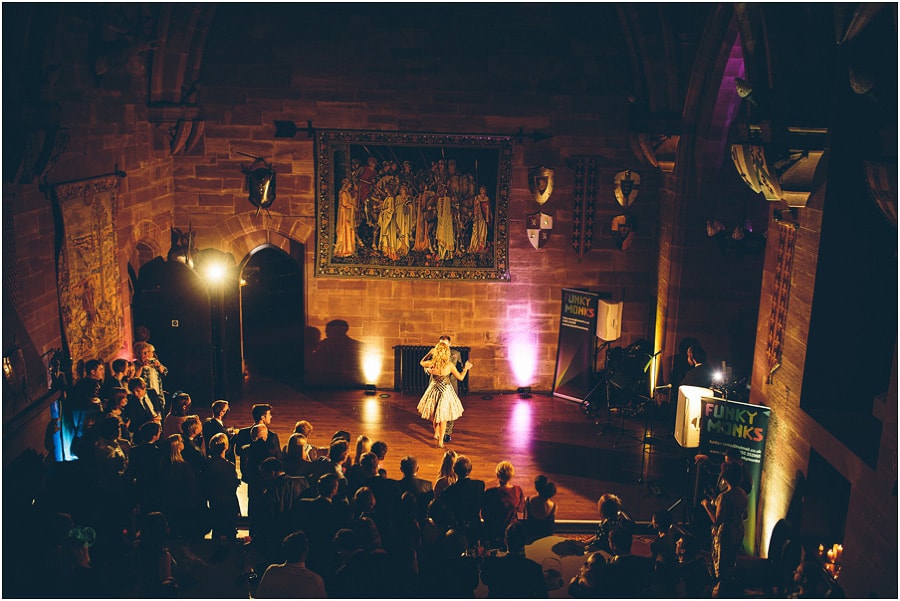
<point x="335" y="361"/>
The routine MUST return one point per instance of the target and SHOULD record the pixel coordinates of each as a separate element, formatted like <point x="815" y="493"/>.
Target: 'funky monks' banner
<point x="575" y="351"/>
<point x="731" y="425"/>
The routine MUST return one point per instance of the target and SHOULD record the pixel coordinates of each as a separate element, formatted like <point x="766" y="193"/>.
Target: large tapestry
<point x="88" y="269"/>
<point x="407" y="205"/>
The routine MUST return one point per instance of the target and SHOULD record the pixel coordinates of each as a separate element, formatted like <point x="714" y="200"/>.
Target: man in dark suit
<point x="279" y="503"/>
<point x="140" y="408"/>
<point x="320" y="518"/>
<point x="194" y="452"/>
<point x="216" y="424"/>
<point x="626" y="574"/>
<point x="463" y="499"/>
<point x="387" y="496"/>
<point x="514" y="576"/>
<point x="701" y="373"/>
<point x="262" y="414"/>
<point x="419" y="488"/>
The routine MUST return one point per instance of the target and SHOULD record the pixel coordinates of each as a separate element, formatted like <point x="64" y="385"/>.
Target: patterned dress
<point x="440" y="402"/>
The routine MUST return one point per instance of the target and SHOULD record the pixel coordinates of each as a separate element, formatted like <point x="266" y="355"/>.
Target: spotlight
<point x="370" y="389"/>
<point x="718" y="377"/>
<point x="524" y="392"/>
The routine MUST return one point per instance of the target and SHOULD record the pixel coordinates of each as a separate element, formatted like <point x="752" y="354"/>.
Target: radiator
<point x="409" y="376"/>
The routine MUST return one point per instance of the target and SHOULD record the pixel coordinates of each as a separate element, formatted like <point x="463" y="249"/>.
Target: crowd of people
<point x="334" y="519"/>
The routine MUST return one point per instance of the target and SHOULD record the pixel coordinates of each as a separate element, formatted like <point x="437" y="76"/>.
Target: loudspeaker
<point x="687" y="415"/>
<point x="609" y="320"/>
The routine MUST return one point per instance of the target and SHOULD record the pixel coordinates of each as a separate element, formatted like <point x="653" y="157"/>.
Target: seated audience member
<point x="514" y="576"/>
<point x="354" y="472"/>
<point x="540" y="510"/>
<point x="446" y="475"/>
<point x="305" y="428"/>
<point x="627" y="574"/>
<point x="463" y="499"/>
<point x="456" y="571"/>
<point x="371" y="572"/>
<point x="590" y="583"/>
<point x="180" y="409"/>
<point x="291" y="579"/>
<point x="321" y="518"/>
<point x="501" y="505"/>
<point x="611" y="518"/>
<point x="332" y="463"/>
<point x="296" y="456"/>
<point x="380" y="448"/>
<point x="418" y="487"/>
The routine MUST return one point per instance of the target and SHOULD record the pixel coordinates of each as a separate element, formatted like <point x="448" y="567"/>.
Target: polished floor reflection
<point x="634" y="456"/>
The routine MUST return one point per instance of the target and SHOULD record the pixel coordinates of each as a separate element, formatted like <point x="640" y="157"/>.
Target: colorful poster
<point x="732" y="425"/>
<point x="575" y="350"/>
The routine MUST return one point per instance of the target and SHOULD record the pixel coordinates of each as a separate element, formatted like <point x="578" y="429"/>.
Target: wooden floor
<point x="539" y="435"/>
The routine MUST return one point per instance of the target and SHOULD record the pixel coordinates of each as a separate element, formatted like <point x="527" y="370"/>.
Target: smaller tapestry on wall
<point x="407" y="205"/>
<point x="88" y="269"/>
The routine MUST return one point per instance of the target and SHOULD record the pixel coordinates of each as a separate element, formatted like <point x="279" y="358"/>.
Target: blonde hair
<point x="447" y="466"/>
<point x="363" y="446"/>
<point x="505" y="471"/>
<point x="440" y="356"/>
<point x="174" y="451"/>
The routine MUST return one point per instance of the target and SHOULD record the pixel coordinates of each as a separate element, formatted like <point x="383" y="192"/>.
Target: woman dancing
<point x="440" y="402"/>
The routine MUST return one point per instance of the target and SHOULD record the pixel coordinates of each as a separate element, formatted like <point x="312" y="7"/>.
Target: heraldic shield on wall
<point x="627" y="183"/>
<point x="540" y="226"/>
<point x="540" y="182"/>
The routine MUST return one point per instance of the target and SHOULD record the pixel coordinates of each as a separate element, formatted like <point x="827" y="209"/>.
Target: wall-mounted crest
<point x="260" y="180"/>
<point x="623" y="227"/>
<point x="540" y="226"/>
<point x="627" y="184"/>
<point x="540" y="182"/>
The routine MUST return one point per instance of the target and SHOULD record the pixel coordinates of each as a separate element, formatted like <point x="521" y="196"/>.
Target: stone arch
<point x="144" y="244"/>
<point x="243" y="233"/>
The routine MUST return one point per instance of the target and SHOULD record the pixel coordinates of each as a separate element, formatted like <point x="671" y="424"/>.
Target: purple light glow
<point x="522" y="356"/>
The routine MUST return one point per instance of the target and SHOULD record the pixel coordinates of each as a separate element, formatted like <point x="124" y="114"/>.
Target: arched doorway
<point x="273" y="314"/>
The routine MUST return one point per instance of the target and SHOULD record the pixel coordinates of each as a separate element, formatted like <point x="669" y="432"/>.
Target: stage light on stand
<point x="371" y="370"/>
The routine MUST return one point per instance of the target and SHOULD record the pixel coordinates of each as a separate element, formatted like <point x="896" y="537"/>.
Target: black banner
<point x="732" y="425"/>
<point x="575" y="350"/>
